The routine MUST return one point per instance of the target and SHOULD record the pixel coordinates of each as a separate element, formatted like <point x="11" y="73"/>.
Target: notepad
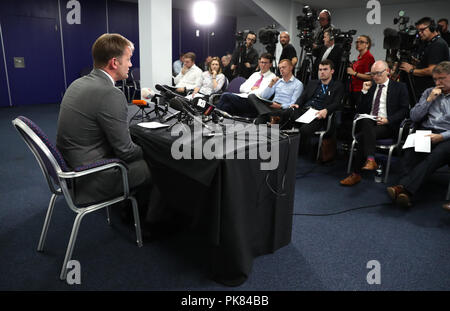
<point x="152" y="125"/>
<point x="308" y="116"/>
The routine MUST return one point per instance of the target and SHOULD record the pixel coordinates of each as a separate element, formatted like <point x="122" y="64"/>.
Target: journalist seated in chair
<point x="324" y="95"/>
<point x="432" y="112"/>
<point x="190" y="76"/>
<point x="238" y="104"/>
<point x="93" y="126"/>
<point x="285" y="92"/>
<point x="212" y="80"/>
<point x="388" y="101"/>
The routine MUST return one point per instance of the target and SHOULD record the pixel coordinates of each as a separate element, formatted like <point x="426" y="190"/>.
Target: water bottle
<point x="379" y="174"/>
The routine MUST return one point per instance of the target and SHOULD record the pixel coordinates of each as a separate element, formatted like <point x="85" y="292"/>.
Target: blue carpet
<point x="336" y="232"/>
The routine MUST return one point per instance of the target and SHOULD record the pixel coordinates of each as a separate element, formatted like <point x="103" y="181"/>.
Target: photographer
<point x="443" y="30"/>
<point x="245" y="58"/>
<point x="288" y="51"/>
<point x="434" y="51"/>
<point x="328" y="51"/>
<point x="325" y="23"/>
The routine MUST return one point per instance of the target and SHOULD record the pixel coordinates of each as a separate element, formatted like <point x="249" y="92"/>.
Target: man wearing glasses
<point x="432" y="112"/>
<point x="388" y="102"/>
<point x="432" y="52"/>
<point x="237" y="104"/>
<point x="245" y="58"/>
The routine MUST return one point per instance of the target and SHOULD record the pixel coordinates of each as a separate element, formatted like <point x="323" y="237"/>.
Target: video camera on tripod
<point x="400" y="45"/>
<point x="268" y="36"/>
<point x="306" y="24"/>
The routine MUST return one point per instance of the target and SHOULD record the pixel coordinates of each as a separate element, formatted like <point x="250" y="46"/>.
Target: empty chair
<point x="59" y="178"/>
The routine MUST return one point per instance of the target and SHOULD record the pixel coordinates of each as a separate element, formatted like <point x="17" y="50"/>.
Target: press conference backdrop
<point x="47" y="43"/>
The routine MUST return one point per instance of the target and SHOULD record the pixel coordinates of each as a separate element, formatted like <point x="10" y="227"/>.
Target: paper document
<point x="243" y="95"/>
<point x="422" y="142"/>
<point x="152" y="125"/>
<point x="308" y="116"/>
<point x="409" y="143"/>
<point x="366" y="116"/>
<point x="419" y="141"/>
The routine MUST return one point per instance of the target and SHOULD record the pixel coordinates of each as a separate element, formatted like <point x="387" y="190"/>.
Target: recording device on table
<point x="402" y="46"/>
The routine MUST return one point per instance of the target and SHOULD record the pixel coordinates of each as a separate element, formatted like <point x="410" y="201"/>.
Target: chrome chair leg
<point x="70" y="246"/>
<point x="137" y="222"/>
<point x="388" y="165"/>
<point x="350" y="160"/>
<point x="320" y="146"/>
<point x="108" y="218"/>
<point x="48" y="217"/>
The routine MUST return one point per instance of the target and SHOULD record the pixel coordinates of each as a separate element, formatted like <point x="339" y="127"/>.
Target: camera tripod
<point x="306" y="68"/>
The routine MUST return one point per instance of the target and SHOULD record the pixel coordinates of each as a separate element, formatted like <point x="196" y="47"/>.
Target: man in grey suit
<point x="93" y="125"/>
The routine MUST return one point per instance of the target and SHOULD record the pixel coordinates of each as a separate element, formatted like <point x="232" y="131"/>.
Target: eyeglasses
<point x="358" y="42"/>
<point x="377" y="73"/>
<point x="422" y="29"/>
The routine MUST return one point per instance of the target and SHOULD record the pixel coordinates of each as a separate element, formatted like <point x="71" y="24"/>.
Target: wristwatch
<point x="411" y="71"/>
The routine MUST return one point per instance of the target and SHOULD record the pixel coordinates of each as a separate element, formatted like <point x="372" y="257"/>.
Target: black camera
<point x="344" y="39"/>
<point x="308" y="20"/>
<point x="268" y="35"/>
<point x="240" y="36"/>
<point x="404" y="41"/>
<point x="306" y="24"/>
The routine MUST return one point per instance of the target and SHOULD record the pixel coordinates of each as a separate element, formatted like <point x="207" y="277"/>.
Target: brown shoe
<point x="370" y="165"/>
<point x="403" y="200"/>
<point x="351" y="180"/>
<point x="275" y="120"/>
<point x="394" y="191"/>
<point x="446" y="206"/>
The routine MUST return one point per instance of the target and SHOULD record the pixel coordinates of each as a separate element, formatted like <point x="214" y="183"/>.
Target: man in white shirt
<point x="190" y="76"/>
<point x="237" y="104"/>
<point x="329" y="51"/>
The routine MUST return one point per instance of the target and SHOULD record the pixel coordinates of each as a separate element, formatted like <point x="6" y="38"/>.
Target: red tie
<point x="258" y="83"/>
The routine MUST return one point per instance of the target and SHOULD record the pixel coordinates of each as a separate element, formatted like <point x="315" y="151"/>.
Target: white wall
<point x="355" y="18"/>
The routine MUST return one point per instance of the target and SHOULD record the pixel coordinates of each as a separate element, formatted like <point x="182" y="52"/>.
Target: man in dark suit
<point x="329" y="51"/>
<point x="93" y="125"/>
<point x="388" y="102"/>
<point x="324" y="95"/>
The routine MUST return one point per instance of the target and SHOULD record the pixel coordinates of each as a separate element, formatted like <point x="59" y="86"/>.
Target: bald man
<point x="388" y="101"/>
<point x="289" y="51"/>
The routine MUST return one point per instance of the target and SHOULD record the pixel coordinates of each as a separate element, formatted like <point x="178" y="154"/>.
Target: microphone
<point x="224" y="113"/>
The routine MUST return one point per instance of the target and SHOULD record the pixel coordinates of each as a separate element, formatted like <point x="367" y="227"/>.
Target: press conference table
<point x="245" y="211"/>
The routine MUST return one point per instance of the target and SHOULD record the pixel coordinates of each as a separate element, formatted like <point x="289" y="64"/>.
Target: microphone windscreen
<point x="139" y="102"/>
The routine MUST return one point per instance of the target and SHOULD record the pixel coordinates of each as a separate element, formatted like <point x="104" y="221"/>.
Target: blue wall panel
<point x="78" y="38"/>
<point x="184" y="36"/>
<point x="4" y="98"/>
<point x="123" y="19"/>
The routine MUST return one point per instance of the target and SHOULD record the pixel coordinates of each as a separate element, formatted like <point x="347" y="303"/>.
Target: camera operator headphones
<point x="432" y="27"/>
